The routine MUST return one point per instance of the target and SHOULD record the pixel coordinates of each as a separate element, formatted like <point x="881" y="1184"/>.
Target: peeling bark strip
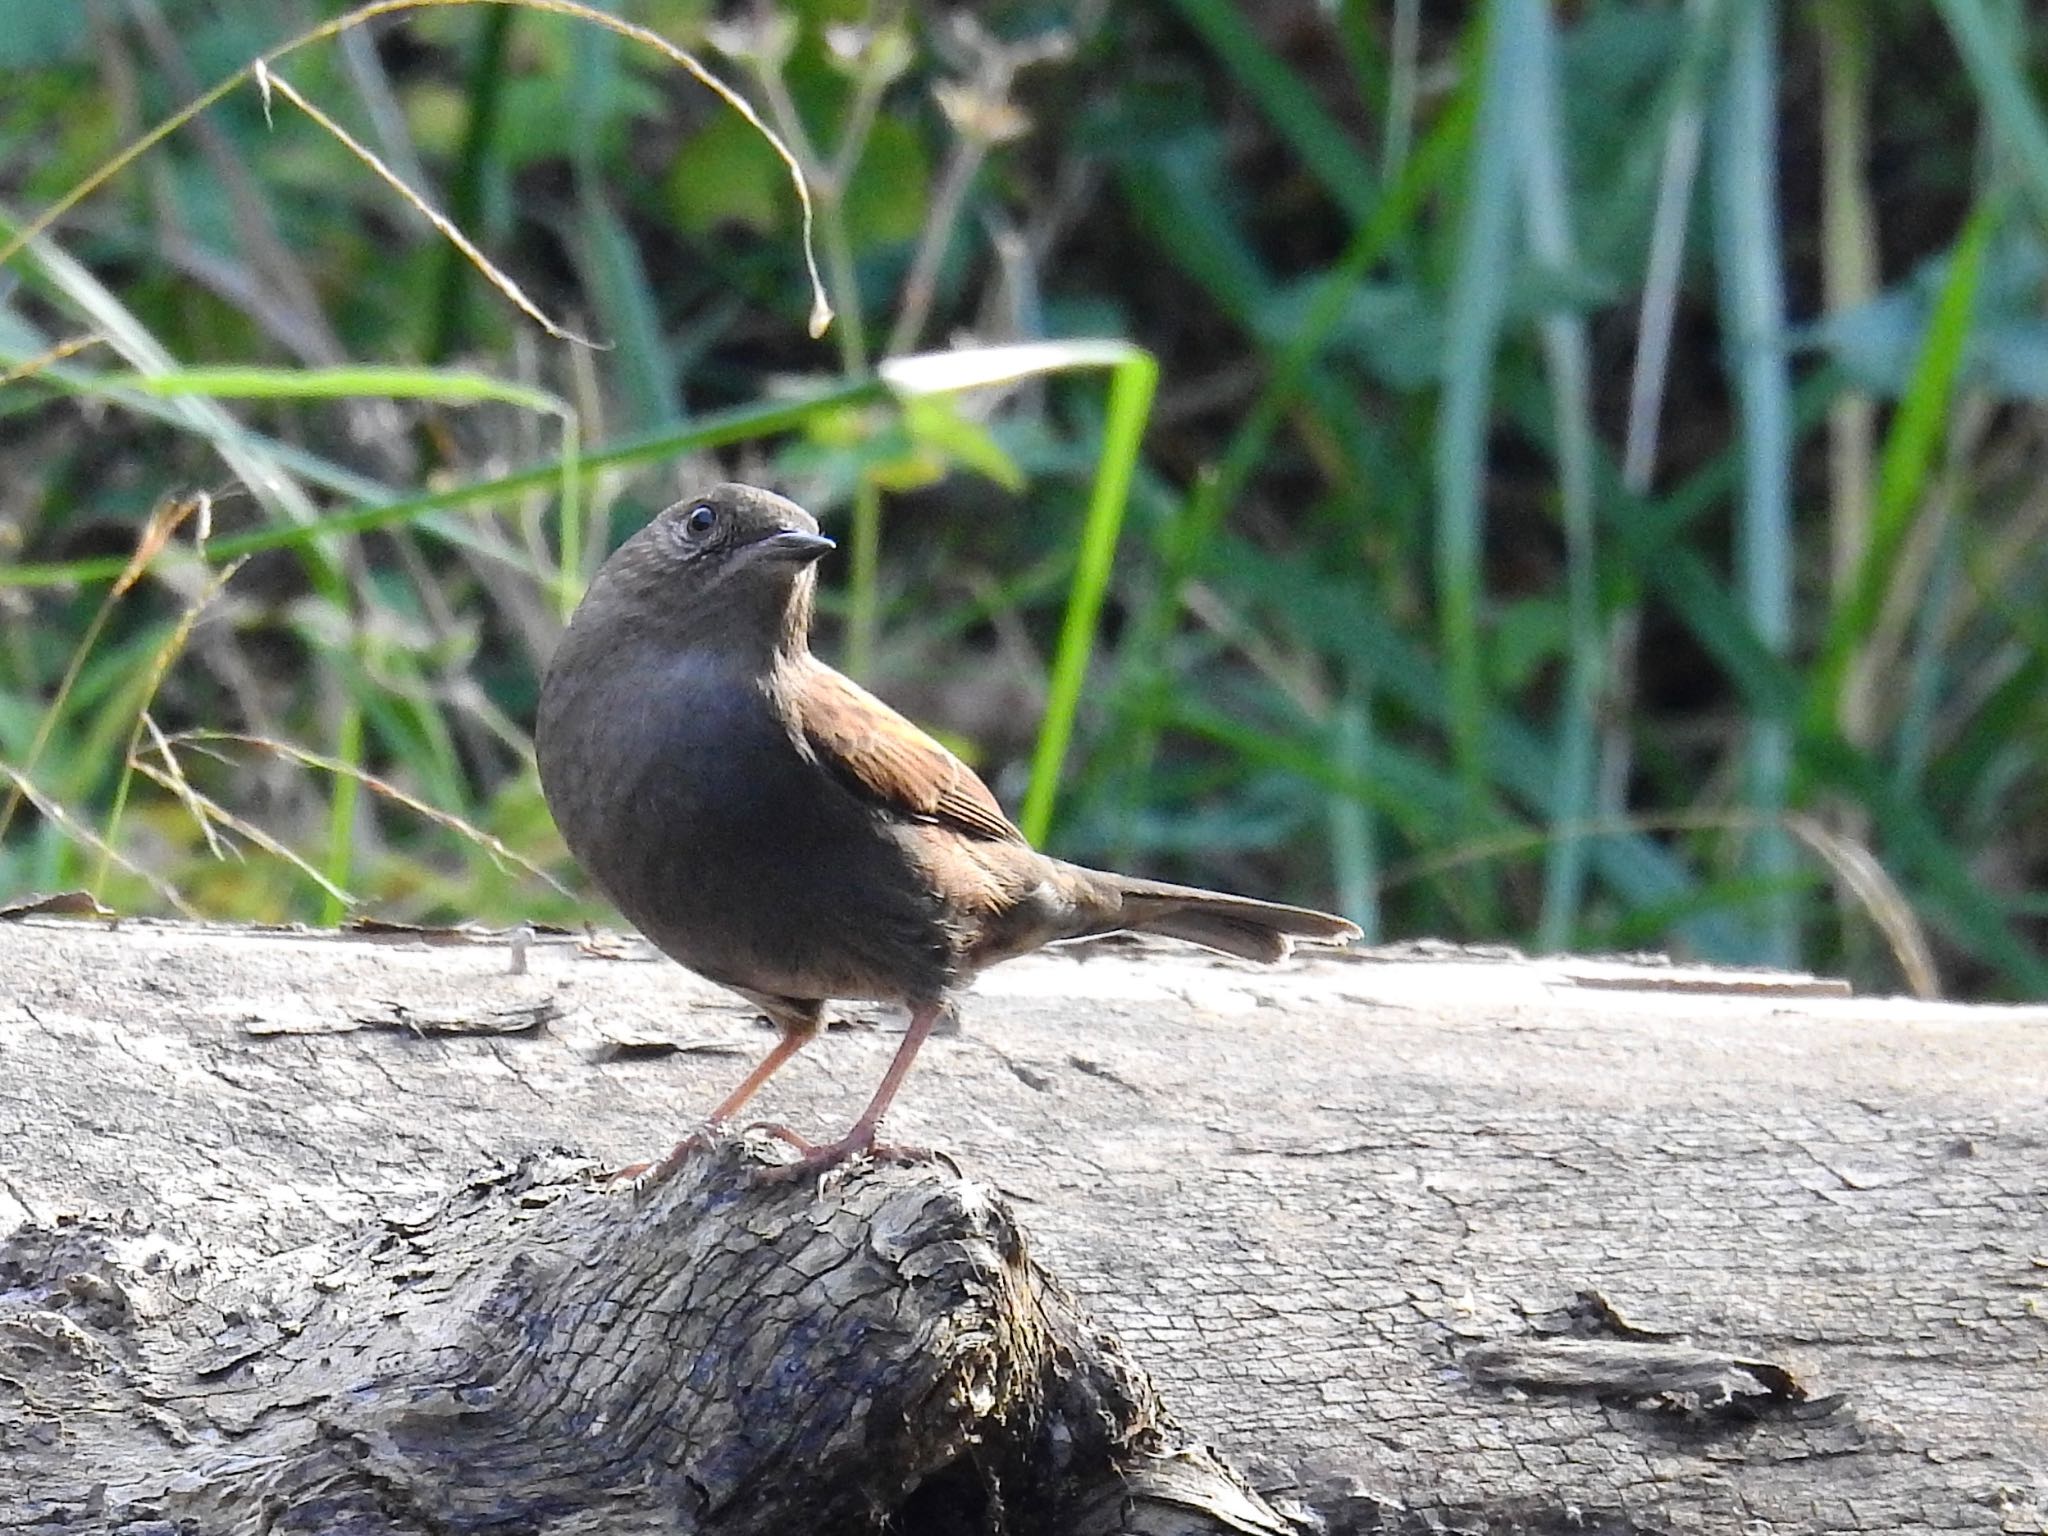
<point x="1426" y="1244"/>
<point x="715" y="1354"/>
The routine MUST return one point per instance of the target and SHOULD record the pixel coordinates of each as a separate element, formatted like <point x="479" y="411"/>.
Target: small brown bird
<point x="778" y="829"/>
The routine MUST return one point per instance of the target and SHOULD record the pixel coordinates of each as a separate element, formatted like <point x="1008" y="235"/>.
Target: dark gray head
<point x="734" y="562"/>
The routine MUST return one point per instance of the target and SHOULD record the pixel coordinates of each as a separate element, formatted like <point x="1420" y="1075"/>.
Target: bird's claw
<point x="783" y="1134"/>
<point x="812" y="1160"/>
<point x="818" y="1161"/>
<point x="645" y="1175"/>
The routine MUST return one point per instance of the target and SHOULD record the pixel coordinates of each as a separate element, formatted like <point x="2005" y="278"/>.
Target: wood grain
<point x="1421" y="1243"/>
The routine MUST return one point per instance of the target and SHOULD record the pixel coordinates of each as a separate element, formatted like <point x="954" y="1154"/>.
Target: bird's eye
<point x="700" y="520"/>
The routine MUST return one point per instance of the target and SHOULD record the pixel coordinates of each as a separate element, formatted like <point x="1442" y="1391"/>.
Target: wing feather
<point x="881" y="755"/>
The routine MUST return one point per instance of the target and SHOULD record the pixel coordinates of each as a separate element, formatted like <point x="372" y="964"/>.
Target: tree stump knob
<point x="714" y="1352"/>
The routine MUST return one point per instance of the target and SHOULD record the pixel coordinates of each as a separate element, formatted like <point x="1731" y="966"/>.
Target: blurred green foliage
<point x="1592" y="496"/>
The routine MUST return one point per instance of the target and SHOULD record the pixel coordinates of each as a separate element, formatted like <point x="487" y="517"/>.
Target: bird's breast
<point x="716" y="832"/>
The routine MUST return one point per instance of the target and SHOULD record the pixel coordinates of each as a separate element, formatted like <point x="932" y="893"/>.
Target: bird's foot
<point x="640" y="1175"/>
<point x="813" y="1159"/>
<point x="783" y="1134"/>
<point x="860" y="1142"/>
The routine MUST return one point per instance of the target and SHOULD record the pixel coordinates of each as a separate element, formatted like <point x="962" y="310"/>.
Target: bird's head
<point x="735" y="562"/>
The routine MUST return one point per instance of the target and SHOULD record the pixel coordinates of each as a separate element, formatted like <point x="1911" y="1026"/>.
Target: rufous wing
<point x="882" y="756"/>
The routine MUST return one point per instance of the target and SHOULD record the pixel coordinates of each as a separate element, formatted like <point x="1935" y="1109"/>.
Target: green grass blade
<point x="1289" y="102"/>
<point x="446" y="386"/>
<point x="1479" y="279"/>
<point x="741" y="424"/>
<point x="1132" y="384"/>
<point x="863" y="578"/>
<point x="1997" y="69"/>
<point x="1354" y="847"/>
<point x="484" y="94"/>
<point x="1568" y="354"/>
<point x="266" y="479"/>
<point x="338" y="867"/>
<point x="1750" y="261"/>
<point x="1917" y="429"/>
<point x="615" y="275"/>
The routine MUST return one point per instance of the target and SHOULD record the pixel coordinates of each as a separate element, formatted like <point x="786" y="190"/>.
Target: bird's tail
<point x="1235" y="925"/>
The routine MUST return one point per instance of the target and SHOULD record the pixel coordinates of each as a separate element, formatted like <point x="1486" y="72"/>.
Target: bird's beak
<point x="795" y="546"/>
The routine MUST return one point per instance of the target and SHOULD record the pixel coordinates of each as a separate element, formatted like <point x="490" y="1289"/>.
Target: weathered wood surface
<point x="1443" y="1242"/>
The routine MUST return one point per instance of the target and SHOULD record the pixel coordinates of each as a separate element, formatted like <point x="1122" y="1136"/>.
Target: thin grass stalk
<point x="1354" y="838"/>
<point x="80" y="832"/>
<point x="842" y="273"/>
<point x="821" y="310"/>
<point x="1478" y="286"/>
<point x="740" y="424"/>
<point x="172" y="648"/>
<point x="213" y="811"/>
<point x="1918" y="426"/>
<point x="1546" y="202"/>
<point x="1927" y="675"/>
<point x="211" y="741"/>
<point x="338" y="866"/>
<point x="1849" y="279"/>
<point x="1750" y="262"/>
<point x="864" y="579"/>
<point x="2011" y="110"/>
<point x="380" y="104"/>
<point x="921" y="283"/>
<point x="1324" y="147"/>
<point x="483" y="94"/>
<point x="1402" y="76"/>
<point x="50" y="356"/>
<point x="272" y="83"/>
<point x="1650" y="370"/>
<point x="1357" y="24"/>
<point x="1659" y="307"/>
<point x="181" y="787"/>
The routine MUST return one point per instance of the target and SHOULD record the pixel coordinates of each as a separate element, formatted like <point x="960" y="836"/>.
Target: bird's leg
<point x="792" y="1041"/>
<point x="799" y="1026"/>
<point x="861" y="1138"/>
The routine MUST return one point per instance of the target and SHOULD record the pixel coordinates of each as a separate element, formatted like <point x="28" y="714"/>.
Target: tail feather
<point x="1235" y="925"/>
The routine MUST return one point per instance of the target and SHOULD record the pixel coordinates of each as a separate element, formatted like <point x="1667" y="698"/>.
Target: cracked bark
<point x="1443" y="1245"/>
<point x="548" y="1352"/>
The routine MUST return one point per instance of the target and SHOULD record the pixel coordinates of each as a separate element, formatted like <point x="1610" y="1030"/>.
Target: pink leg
<point x="861" y="1138"/>
<point x="792" y="1041"/>
<point x="794" y="1038"/>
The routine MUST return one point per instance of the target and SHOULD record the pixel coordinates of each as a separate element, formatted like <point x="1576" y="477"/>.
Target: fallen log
<point x="288" y="1241"/>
